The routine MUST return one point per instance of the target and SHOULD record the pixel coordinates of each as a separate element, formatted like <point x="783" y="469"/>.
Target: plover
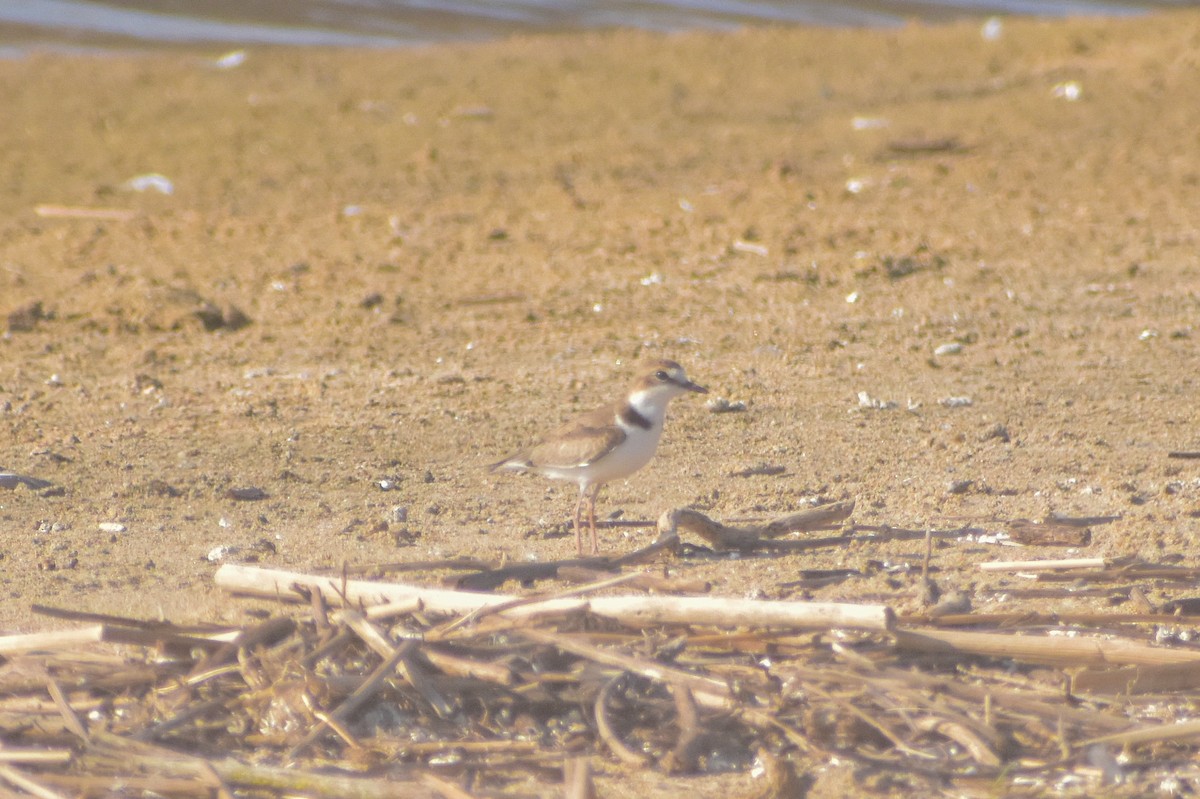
<point x="609" y="443"/>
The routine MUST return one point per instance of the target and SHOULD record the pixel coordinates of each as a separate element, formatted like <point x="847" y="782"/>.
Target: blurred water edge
<point x="84" y="25"/>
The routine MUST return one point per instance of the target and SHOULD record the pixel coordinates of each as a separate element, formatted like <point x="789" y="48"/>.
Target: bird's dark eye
<point x="661" y="376"/>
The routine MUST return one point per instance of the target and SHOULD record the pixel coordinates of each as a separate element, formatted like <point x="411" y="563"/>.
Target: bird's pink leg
<point x="578" y="507"/>
<point x="592" y="519"/>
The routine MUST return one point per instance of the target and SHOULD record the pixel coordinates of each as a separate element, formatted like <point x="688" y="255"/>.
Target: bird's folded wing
<point x="575" y="446"/>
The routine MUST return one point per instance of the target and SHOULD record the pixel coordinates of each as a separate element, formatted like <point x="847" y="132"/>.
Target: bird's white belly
<point x="630" y="455"/>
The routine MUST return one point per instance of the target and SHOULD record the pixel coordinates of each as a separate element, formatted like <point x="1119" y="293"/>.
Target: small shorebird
<point x="610" y="442"/>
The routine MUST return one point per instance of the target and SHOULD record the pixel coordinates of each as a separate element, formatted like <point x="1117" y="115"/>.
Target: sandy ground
<point x="443" y="252"/>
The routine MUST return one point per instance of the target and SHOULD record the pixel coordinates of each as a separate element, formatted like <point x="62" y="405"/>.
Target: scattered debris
<point x="215" y="318"/>
<point x="1069" y="90"/>
<point x="922" y="146"/>
<point x="722" y="405"/>
<point x="868" y="123"/>
<point x="10" y="481"/>
<point x="749" y="248"/>
<point x="151" y="181"/>
<point x="25" y="318"/>
<point x="419" y="677"/>
<point x="866" y="401"/>
<point x="725" y="537"/>
<point x="220" y="552"/>
<point x="1050" y="533"/>
<point x="953" y="348"/>
<point x="231" y="60"/>
<point x="759" y="470"/>
<point x="48" y="211"/>
<point x="246" y="494"/>
<point x="996" y="431"/>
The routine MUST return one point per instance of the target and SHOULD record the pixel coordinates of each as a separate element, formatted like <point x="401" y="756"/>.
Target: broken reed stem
<point x="726" y="537"/>
<point x="707" y="690"/>
<point x="98" y="633"/>
<point x="637" y="610"/>
<point x="1153" y="734"/>
<point x="19" y="779"/>
<point x="288" y="780"/>
<point x="1043" y="565"/>
<point x="1058" y="650"/>
<point x="357" y="699"/>
<point x="31" y="756"/>
<point x="609" y="735"/>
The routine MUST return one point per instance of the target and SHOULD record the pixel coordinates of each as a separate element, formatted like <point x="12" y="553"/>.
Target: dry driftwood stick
<point x="70" y="719"/>
<point x="1048" y="709"/>
<point x="445" y="788"/>
<point x="1049" y="533"/>
<point x="374" y="638"/>
<point x="1118" y="572"/>
<point x="577" y="779"/>
<point x="97" y="785"/>
<point x="706" y="690"/>
<point x="645" y="581"/>
<point x="220" y="632"/>
<point x="268" y="632"/>
<point x="1144" y="679"/>
<point x="1044" y="649"/>
<point x="48" y="211"/>
<point x="190" y="712"/>
<point x="19" y="779"/>
<point x="608" y="734"/>
<point x="35" y="756"/>
<point x="487" y="671"/>
<point x="638" y="610"/>
<point x="682" y="759"/>
<point x="1044" y="565"/>
<point x="492" y="578"/>
<point x="61" y="639"/>
<point x="11" y="481"/>
<point x="963" y="735"/>
<point x="361" y="696"/>
<point x="140" y="757"/>
<point x="599" y="585"/>
<point x="1156" y="733"/>
<point x="725" y="537"/>
<point x="98" y="633"/>
<point x="392" y="609"/>
<point x="1033" y="619"/>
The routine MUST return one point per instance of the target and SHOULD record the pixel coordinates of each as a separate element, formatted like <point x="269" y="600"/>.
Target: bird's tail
<point x="518" y="462"/>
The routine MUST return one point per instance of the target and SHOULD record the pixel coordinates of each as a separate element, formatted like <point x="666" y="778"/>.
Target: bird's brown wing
<point x="581" y="441"/>
<point x="576" y="445"/>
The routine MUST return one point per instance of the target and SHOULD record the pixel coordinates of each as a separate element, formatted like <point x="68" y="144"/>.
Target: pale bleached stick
<point x="27" y="784"/>
<point x="1042" y="565"/>
<point x="36" y="757"/>
<point x="98" y="633"/>
<point x="637" y="610"/>
<point x="288" y="779"/>
<point x="1156" y="733"/>
<point x="1057" y="650"/>
<point x="1141" y="679"/>
<point x="59" y="639"/>
<point x="74" y="212"/>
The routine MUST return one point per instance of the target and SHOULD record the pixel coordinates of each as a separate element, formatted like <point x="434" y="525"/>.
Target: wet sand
<point x="440" y="252"/>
